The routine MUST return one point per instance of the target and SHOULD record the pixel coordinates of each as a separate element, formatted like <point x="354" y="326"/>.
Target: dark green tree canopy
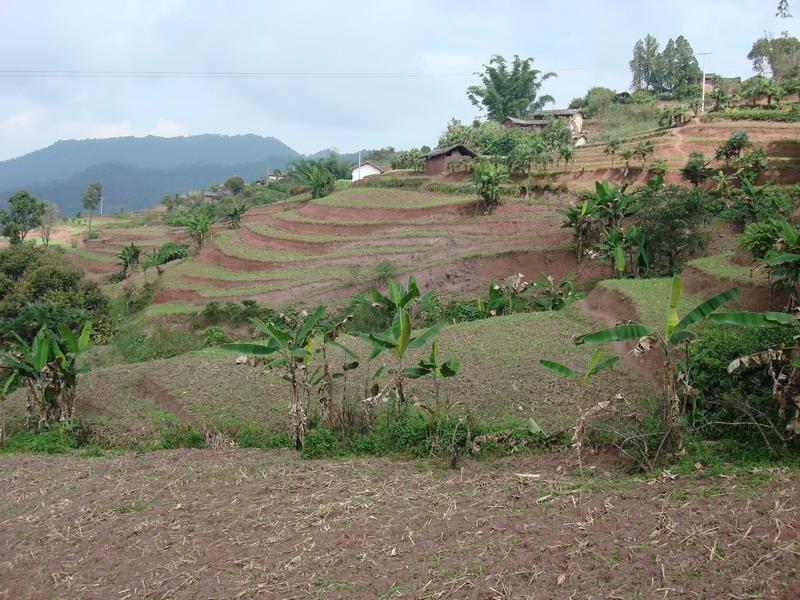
<point x="91" y="197"/>
<point x="509" y="91"/>
<point x="234" y="184"/>
<point x="673" y="71"/>
<point x="23" y="213"/>
<point x="778" y="56"/>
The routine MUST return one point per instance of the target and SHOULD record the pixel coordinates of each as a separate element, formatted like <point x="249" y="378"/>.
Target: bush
<point x="385" y="269"/>
<point x="162" y="342"/>
<point x="762" y="114"/>
<point x="31" y="275"/>
<point x="321" y="443"/>
<point x="56" y="439"/>
<point x="171" y="251"/>
<point x="214" y="336"/>
<point x="248" y="438"/>
<point x="181" y="437"/>
<point x="92" y="235"/>
<point x="760" y="237"/>
<point x="211" y="312"/>
<point x="717" y="392"/>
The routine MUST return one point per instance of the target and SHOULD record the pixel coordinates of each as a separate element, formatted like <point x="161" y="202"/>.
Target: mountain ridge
<point x="136" y="172"/>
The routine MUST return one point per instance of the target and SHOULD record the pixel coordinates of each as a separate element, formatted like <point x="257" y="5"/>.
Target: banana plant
<point x="398" y="339"/>
<point x="582" y="219"/>
<point x="612" y="248"/>
<point x="783" y="262"/>
<point x="435" y="368"/>
<point x="550" y="294"/>
<point x="294" y="349"/>
<point x="47" y="367"/>
<point x="676" y="332"/>
<point x="596" y="364"/>
<point x="612" y="203"/>
<point x="639" y="253"/>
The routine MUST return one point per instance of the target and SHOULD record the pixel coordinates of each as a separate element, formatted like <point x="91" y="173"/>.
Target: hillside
<point x="137" y="172"/>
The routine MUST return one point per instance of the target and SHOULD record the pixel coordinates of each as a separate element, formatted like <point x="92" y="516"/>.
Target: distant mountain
<point x="137" y="172"/>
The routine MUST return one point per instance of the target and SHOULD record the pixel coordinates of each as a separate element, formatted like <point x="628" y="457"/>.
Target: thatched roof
<point x="444" y="151"/>
<point x="558" y="112"/>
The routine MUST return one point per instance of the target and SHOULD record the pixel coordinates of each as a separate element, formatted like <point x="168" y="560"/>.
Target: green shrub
<point x="181" y="437"/>
<point x="56" y="439"/>
<point x="233" y="312"/>
<point x="162" y="342"/>
<point x="249" y="438"/>
<point x="385" y="269"/>
<point x="717" y="393"/>
<point x="760" y="237"/>
<point x="442" y="187"/>
<point x="92" y="451"/>
<point x="92" y="235"/>
<point x="211" y="312"/>
<point x="214" y="336"/>
<point x="171" y="251"/>
<point x="321" y="443"/>
<point x="762" y="114"/>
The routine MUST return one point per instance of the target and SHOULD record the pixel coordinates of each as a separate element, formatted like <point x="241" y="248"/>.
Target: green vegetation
<point x="23" y="214"/>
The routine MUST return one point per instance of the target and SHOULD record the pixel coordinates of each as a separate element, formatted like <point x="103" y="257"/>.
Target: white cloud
<point x="104" y="130"/>
<point x="168" y="128"/>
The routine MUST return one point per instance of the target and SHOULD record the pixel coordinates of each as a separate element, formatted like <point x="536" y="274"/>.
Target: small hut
<point x="436" y="160"/>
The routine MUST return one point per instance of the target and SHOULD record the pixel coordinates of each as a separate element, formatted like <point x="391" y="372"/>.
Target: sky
<point x="587" y="42"/>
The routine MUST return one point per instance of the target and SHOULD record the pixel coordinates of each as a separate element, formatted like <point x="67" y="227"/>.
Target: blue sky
<point x="587" y="42"/>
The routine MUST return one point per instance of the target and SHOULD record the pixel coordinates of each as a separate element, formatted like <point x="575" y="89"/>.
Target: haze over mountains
<point x="136" y="172"/>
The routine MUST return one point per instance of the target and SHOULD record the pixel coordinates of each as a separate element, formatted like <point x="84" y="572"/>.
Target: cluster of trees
<point x="23" y="214"/>
<point x="509" y="90"/>
<point x="673" y="72"/>
<point x="777" y="57"/>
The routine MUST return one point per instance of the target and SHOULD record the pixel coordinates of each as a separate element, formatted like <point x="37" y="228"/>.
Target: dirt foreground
<point x="252" y="524"/>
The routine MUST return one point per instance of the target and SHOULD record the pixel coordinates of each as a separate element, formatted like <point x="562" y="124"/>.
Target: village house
<point x="436" y="160"/>
<point x="365" y="169"/>
<point x="212" y="196"/>
<point x="538" y="120"/>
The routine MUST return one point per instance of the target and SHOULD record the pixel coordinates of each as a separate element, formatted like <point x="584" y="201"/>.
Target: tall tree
<point x="23" y="213"/>
<point x="644" y="65"/>
<point x="48" y="221"/>
<point x="509" y="92"/>
<point x="91" y="199"/>
<point x="779" y="56"/>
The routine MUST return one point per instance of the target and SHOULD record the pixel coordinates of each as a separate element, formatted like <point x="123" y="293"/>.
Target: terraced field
<point x="303" y="251"/>
<point x="780" y="141"/>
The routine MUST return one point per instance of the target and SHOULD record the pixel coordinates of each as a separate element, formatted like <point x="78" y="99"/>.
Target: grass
<point x="722" y="266"/>
<point x="500" y="380"/>
<point x="650" y="298"/>
<point x="387" y="198"/>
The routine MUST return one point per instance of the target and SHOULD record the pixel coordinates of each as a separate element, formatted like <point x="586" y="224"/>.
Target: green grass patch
<point x="356" y="197"/>
<point x="722" y="266"/>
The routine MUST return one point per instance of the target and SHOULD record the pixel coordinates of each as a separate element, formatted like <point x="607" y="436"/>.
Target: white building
<point x="365" y="170"/>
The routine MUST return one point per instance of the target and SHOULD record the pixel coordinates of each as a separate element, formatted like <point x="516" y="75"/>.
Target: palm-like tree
<point x="129" y="258"/>
<point x="611" y="149"/>
<point x="233" y="217"/>
<point x="199" y="228"/>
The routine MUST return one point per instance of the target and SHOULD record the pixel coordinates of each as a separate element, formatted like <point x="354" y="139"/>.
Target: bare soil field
<point x="252" y="524"/>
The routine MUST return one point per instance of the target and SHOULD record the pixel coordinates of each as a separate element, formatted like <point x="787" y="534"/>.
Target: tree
<point x="47" y="368"/>
<point x="128" y="258"/>
<point x="672" y="218"/>
<point x="509" y="92"/>
<point x="779" y="57"/>
<point x="675" y="337"/>
<point x="294" y="346"/>
<point x="48" y="222"/>
<point x="199" y="227"/>
<point x="644" y="65"/>
<point x="234" y="184"/>
<point x="696" y="170"/>
<point x="754" y="88"/>
<point x="319" y="179"/>
<point x="611" y="148"/>
<point x="675" y="70"/>
<point x="91" y="199"/>
<point x="643" y="149"/>
<point x="489" y="177"/>
<point x="233" y="216"/>
<point x="733" y="146"/>
<point x="23" y="213"/>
